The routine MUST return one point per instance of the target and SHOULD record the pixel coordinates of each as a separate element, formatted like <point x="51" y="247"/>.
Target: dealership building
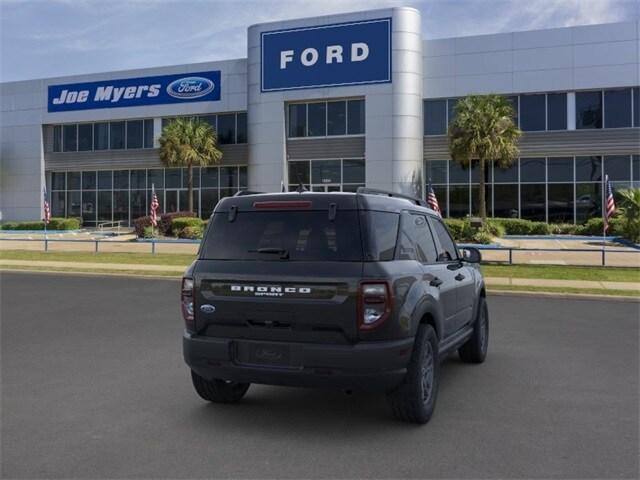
<point x="335" y="103"/>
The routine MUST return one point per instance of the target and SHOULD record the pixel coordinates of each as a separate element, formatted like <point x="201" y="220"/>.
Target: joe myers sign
<point x="352" y="53"/>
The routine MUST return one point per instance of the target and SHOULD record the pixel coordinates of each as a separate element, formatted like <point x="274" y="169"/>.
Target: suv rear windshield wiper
<point x="283" y="252"/>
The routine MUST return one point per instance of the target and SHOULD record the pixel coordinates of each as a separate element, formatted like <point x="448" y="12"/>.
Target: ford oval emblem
<point x="206" y="308"/>
<point x="190" y="87"/>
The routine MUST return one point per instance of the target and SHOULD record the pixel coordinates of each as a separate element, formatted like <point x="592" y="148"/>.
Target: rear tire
<point x="219" y="391"/>
<point x="474" y="350"/>
<point x="415" y="399"/>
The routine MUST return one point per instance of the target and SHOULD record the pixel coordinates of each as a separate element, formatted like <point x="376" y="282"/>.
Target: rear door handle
<point x="436" y="282"/>
<point x="459" y="277"/>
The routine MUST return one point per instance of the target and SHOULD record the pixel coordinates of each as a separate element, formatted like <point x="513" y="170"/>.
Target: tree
<point x="483" y="129"/>
<point x="629" y="211"/>
<point x="189" y="142"/>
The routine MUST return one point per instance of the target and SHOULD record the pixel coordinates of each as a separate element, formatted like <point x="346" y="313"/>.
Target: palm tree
<point x="629" y="210"/>
<point x="484" y="129"/>
<point x="189" y="142"/>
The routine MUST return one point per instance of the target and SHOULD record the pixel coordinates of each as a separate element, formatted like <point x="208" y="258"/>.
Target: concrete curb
<point x="573" y="296"/>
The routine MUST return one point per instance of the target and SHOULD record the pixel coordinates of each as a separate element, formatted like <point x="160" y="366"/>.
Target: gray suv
<point x="361" y="290"/>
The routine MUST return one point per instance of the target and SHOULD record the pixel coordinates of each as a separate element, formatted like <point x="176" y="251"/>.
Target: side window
<point x="382" y="234"/>
<point x="446" y="247"/>
<point x="416" y="242"/>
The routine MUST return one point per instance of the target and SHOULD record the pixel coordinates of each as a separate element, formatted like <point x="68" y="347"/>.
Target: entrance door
<point x="171" y="201"/>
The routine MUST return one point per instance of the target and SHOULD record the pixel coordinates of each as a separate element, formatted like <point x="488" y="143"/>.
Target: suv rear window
<point x="303" y="235"/>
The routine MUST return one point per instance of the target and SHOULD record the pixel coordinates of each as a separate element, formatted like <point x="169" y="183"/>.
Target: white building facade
<point x="335" y="103"/>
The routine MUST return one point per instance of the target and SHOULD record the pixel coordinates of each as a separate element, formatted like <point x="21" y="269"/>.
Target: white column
<point x="571" y="111"/>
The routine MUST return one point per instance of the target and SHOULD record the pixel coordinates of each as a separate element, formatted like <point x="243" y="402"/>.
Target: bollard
<point x="603" y="258"/>
<point x="96" y="246"/>
<point x="46" y="245"/>
<point x="511" y="256"/>
<point x="153" y="247"/>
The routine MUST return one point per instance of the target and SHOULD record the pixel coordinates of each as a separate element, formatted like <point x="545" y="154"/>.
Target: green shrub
<point x="180" y="223"/>
<point x="164" y="225"/>
<point x="455" y="226"/>
<point x="56" y="223"/>
<point x="139" y="224"/>
<point x="494" y="228"/>
<point x="192" y="232"/>
<point x="149" y="232"/>
<point x="482" y="235"/>
<point x="520" y="226"/>
<point x="562" y="228"/>
<point x="35" y="225"/>
<point x="9" y="226"/>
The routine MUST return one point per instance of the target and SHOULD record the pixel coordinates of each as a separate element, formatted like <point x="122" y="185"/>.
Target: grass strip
<point x="174" y="259"/>
<point x="564" y="272"/>
<point x="569" y="290"/>
<point x="133" y="273"/>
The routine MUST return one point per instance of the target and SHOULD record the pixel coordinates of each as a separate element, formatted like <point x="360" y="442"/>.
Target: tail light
<point x="186" y="301"/>
<point x="374" y="304"/>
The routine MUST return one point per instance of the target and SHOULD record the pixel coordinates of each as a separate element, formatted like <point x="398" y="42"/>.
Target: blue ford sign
<point x="134" y="92"/>
<point x="352" y="53"/>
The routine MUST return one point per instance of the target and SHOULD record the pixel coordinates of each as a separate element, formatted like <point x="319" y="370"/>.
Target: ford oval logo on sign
<point x="190" y="87"/>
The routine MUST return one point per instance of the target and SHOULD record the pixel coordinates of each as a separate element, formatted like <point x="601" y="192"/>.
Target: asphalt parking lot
<point x="94" y="386"/>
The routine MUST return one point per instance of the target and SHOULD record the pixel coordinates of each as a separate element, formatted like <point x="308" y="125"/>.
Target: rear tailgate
<point x="278" y="301"/>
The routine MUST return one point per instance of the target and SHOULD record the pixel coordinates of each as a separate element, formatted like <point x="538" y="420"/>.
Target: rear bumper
<point x="363" y="366"/>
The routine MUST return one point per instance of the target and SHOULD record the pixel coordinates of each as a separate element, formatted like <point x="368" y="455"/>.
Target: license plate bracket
<point x="264" y="354"/>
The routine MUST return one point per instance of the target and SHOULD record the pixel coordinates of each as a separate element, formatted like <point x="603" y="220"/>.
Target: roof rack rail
<point x="375" y="191"/>
<point x="242" y="193"/>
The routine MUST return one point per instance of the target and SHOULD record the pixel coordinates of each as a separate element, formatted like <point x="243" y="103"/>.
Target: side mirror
<point x="471" y="255"/>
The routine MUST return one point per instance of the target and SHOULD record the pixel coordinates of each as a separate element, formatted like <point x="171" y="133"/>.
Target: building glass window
<point x="70" y="137"/>
<point x="636" y="107"/>
<point x="138" y="179"/>
<point x="317" y="119"/>
<point x="533" y="202"/>
<point x="73" y="180"/>
<point x="209" y="198"/>
<point x="533" y="112"/>
<point x="116" y="135"/>
<point x="475" y="171"/>
<point x="513" y="100"/>
<point x="436" y="171"/>
<point x="337" y="118"/>
<point x="355" y="117"/>
<point x="353" y="171"/>
<point x="138" y="203"/>
<point x="89" y="181"/>
<point x="74" y="206"/>
<point x="89" y="209"/>
<point x="441" y="196"/>
<point x="173" y="177"/>
<point x="505" y="201"/>
<point x="209" y="177"/>
<point x="105" y="206"/>
<point x="533" y="169"/>
<point x="325" y="171"/>
<point x="121" y="179"/>
<point x="452" y="103"/>
<point x="560" y="202"/>
<point x="105" y="179"/>
<point x="298" y="120"/>
<point x="588" y="169"/>
<point x="457" y="173"/>
<point x="635" y="161"/>
<point x="101" y="136"/>
<point x="135" y="133"/>
<point x="506" y="175"/>
<point x="148" y="133"/>
<point x="475" y="199"/>
<point x="588" y="201"/>
<point x="560" y="169"/>
<point x="241" y="133"/>
<point x="229" y="177"/>
<point x="210" y="119"/>
<point x="57" y="204"/>
<point x="588" y="110"/>
<point x="299" y="172"/>
<point x="244" y="180"/>
<point x="458" y="201"/>
<point x="195" y="177"/>
<point x="227" y="128"/>
<point x="556" y="111"/>
<point x="121" y="205"/>
<point x="617" y="108"/>
<point x="85" y="137"/>
<point x="57" y="181"/>
<point x="155" y="178"/>
<point x="57" y="138"/>
<point x="435" y="117"/>
<point x="618" y="167"/>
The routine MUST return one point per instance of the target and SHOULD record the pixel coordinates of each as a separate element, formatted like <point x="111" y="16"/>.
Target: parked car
<point x="361" y="290"/>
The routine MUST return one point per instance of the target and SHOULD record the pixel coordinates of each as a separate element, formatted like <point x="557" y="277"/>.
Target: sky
<point x="48" y="38"/>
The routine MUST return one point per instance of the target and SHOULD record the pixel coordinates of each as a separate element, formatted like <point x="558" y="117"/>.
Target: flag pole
<point x="153" y="192"/>
<point x="604" y="216"/>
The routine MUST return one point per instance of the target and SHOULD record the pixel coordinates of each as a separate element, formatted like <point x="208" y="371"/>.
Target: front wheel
<point x="218" y="391"/>
<point x="474" y="350"/>
<point x="415" y="399"/>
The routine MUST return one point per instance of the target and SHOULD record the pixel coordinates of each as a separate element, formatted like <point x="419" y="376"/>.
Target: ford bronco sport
<point x="361" y="290"/>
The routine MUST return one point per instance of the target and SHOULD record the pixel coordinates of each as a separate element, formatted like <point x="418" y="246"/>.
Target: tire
<point x="474" y="350"/>
<point x="219" y="391"/>
<point x="415" y="399"/>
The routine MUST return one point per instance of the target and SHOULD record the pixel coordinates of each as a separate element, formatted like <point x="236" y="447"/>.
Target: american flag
<point x="47" y="210"/>
<point x="432" y="201"/>
<point x="154" y="207"/>
<point x="609" y="203"/>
